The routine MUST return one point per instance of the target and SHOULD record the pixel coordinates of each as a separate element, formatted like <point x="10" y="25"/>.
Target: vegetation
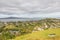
<point x="11" y="30"/>
<point x="41" y="35"/>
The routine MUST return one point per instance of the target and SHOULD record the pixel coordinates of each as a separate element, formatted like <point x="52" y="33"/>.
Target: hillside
<point x="11" y="30"/>
<point x="50" y="34"/>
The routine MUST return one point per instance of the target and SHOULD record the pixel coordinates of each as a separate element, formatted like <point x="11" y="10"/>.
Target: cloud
<point x="30" y="8"/>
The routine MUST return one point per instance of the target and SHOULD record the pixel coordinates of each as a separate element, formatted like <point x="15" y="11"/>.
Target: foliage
<point x="41" y="35"/>
<point x="9" y="30"/>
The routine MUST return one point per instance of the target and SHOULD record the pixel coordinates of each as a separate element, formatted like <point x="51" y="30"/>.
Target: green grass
<point x="40" y="35"/>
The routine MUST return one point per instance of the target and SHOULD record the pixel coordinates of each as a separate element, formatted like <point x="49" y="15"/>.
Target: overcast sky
<point x="29" y="8"/>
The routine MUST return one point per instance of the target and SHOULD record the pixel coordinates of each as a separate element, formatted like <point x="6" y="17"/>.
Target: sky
<point x="29" y="8"/>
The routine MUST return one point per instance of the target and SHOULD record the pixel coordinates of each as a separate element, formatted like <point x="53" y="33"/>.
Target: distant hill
<point x="8" y="19"/>
<point x="19" y="18"/>
<point x="11" y="18"/>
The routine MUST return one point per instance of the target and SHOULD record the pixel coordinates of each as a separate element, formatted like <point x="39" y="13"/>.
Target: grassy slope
<point x="41" y="35"/>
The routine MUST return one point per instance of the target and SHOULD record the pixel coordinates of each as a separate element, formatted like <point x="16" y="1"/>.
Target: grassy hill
<point x="51" y="30"/>
<point x="41" y="28"/>
<point x="41" y="35"/>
